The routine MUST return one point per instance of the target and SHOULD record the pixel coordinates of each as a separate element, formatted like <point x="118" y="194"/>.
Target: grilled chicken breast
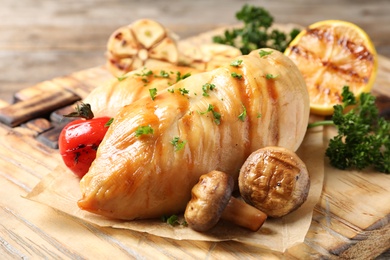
<point x="107" y="99"/>
<point x="155" y="150"/>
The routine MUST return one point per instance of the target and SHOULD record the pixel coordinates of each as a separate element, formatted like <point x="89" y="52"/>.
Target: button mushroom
<point x="133" y="46"/>
<point x="274" y="180"/>
<point x="212" y="199"/>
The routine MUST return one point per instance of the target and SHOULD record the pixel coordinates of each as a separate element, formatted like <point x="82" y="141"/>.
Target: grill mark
<point x="325" y="35"/>
<point x="245" y="97"/>
<point x="353" y="75"/>
<point x="187" y="122"/>
<point x="274" y="124"/>
<point x="359" y="52"/>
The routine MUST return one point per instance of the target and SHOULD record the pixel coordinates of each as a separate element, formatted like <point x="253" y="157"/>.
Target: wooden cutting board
<point x="351" y="220"/>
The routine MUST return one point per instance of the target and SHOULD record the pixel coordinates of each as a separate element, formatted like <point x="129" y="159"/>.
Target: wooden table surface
<point x="43" y="39"/>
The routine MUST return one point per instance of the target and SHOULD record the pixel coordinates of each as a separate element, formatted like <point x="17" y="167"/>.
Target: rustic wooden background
<point x="43" y="39"/>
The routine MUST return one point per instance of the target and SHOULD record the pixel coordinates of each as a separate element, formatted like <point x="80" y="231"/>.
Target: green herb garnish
<point x="236" y="75"/>
<point x="144" y="130"/>
<point x="236" y="63"/>
<point x="123" y="77"/>
<point x="256" y="32"/>
<point x="145" y="75"/>
<point x="242" y="116"/>
<point x="206" y="87"/>
<point x="271" y="76"/>
<point x="184" y="91"/>
<point x="173" y="220"/>
<point x="178" y="144"/>
<point x="153" y="93"/>
<point x="363" y="137"/>
<point x="264" y="53"/>
<point x="163" y="74"/>
<point x="181" y="77"/>
<point x="216" y="115"/>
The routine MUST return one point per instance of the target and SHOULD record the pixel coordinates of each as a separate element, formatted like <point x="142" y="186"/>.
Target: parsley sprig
<point x="363" y="137"/>
<point x="256" y="32"/>
<point x="173" y="220"/>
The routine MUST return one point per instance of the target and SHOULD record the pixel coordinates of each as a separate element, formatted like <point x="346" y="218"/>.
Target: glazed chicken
<point x="107" y="99"/>
<point x="155" y="150"/>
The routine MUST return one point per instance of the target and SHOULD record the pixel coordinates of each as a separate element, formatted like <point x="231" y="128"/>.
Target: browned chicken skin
<point x="146" y="176"/>
<point x="107" y="99"/>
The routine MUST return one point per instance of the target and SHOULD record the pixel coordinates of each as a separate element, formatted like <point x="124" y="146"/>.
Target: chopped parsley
<point x="236" y="63"/>
<point x="144" y="130"/>
<point x="242" y="116"/>
<point x="178" y="144"/>
<point x="171" y="90"/>
<point x="271" y="76"/>
<point x="181" y="77"/>
<point x="237" y="76"/>
<point x="123" y="77"/>
<point x="163" y="74"/>
<point x="184" y="91"/>
<point x="264" y="53"/>
<point x="216" y="115"/>
<point x="206" y="87"/>
<point x="145" y="74"/>
<point x="153" y="93"/>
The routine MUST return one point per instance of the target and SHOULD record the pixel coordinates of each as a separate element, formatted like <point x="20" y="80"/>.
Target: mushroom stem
<point x="211" y="200"/>
<point x="243" y="214"/>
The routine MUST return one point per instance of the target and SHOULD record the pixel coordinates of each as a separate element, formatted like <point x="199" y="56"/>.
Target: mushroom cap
<point x="274" y="180"/>
<point x="209" y="197"/>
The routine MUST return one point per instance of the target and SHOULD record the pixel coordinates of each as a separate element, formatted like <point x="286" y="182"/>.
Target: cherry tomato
<point x="78" y="142"/>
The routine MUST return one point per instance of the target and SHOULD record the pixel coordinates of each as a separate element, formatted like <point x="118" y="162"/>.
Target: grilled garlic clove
<point x="131" y="47"/>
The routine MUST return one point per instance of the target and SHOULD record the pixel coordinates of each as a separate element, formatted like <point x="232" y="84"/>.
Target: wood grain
<point x="42" y="39"/>
<point x="336" y="230"/>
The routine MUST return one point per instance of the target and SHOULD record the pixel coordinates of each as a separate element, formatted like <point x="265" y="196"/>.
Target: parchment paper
<point x="60" y="190"/>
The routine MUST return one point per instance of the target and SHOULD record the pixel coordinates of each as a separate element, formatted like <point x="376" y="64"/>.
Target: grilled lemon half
<point x="332" y="54"/>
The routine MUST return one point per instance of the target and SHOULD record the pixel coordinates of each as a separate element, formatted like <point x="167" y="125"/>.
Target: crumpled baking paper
<point x="60" y="190"/>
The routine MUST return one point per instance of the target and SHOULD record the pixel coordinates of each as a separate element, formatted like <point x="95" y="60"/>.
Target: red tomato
<point x="79" y="141"/>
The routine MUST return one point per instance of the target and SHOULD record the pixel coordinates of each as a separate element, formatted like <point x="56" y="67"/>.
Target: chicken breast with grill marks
<point x="106" y="100"/>
<point x="155" y="150"/>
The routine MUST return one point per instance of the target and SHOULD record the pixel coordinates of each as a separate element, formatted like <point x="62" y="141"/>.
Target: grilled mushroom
<point x="212" y="199"/>
<point x="274" y="180"/>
